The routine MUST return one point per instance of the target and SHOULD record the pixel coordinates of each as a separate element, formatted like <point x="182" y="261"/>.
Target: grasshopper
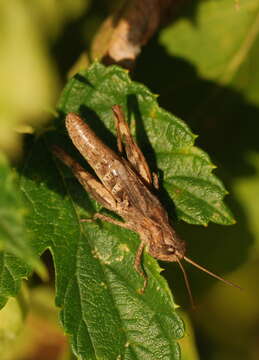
<point x="126" y="186"/>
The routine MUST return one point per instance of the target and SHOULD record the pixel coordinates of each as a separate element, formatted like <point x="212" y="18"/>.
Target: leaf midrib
<point x="241" y="53"/>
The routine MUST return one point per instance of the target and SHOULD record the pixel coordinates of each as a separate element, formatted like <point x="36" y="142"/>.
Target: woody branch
<point x="122" y="35"/>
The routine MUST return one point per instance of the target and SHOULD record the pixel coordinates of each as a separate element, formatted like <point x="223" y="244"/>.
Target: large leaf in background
<point x="96" y="284"/>
<point x="218" y="39"/>
<point x="216" y="89"/>
<point x="22" y="38"/>
<point x="24" y="33"/>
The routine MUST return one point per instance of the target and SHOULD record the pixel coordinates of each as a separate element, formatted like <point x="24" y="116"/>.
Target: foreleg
<point x="138" y="265"/>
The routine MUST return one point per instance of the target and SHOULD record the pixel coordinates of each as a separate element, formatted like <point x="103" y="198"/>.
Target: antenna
<point x="210" y="273"/>
<point x="187" y="283"/>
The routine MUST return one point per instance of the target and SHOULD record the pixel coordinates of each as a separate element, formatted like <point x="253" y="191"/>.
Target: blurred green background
<point x="204" y="67"/>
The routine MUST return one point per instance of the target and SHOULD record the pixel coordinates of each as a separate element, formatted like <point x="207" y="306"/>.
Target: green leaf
<point x="17" y="252"/>
<point x="187" y="171"/>
<point x="203" y="38"/>
<point x="96" y="284"/>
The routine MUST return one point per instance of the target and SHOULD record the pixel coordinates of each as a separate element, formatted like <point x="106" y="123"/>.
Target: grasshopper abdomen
<point x="104" y="161"/>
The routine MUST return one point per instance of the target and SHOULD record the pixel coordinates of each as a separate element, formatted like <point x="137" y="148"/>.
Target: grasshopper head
<point x="166" y="245"/>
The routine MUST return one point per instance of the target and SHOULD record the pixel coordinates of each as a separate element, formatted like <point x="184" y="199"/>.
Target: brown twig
<point x="121" y="36"/>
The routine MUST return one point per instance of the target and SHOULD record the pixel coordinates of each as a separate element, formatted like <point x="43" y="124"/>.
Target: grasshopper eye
<point x="170" y="250"/>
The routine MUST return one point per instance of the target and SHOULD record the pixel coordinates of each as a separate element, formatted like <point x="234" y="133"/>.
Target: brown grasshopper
<point x="125" y="187"/>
